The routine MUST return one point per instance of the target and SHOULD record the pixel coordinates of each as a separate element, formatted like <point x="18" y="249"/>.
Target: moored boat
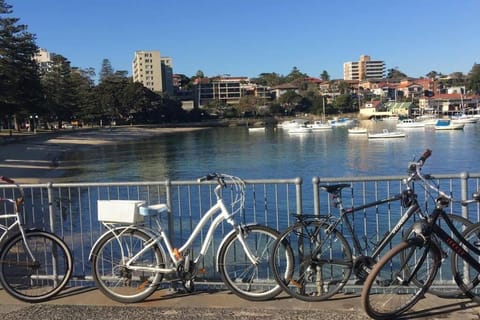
<point x="341" y="122"/>
<point x="386" y="134"/>
<point x="256" y="129"/>
<point x="447" y="124"/>
<point x="319" y="126"/>
<point x="292" y="123"/>
<point x="463" y="118"/>
<point x="410" y="123"/>
<point x="300" y="129"/>
<point x="357" y="130"/>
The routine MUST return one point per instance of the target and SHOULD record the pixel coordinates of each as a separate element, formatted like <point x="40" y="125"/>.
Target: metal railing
<point x="70" y="209"/>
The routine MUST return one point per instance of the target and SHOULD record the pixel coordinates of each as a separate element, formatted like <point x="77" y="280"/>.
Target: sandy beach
<point x="37" y="158"/>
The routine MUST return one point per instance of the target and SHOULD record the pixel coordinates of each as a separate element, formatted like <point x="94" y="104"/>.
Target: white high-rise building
<point x="364" y="69"/>
<point x="153" y="71"/>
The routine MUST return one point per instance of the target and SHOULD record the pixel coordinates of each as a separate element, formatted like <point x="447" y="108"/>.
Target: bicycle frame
<point x="455" y="245"/>
<point x="18" y="222"/>
<point x="380" y="245"/>
<point x="177" y="255"/>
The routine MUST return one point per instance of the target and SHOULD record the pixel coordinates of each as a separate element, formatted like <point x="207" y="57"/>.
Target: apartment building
<point x="227" y="90"/>
<point x="43" y="59"/>
<point x="364" y="69"/>
<point x="153" y="71"/>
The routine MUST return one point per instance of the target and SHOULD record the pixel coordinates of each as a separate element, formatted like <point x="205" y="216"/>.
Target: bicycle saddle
<point x="152" y="210"/>
<point x="334" y="188"/>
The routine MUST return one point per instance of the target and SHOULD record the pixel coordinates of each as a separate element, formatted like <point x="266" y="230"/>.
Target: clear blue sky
<point x="249" y="37"/>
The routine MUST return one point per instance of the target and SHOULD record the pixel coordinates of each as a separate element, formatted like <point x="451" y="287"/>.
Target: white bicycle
<point x="35" y="264"/>
<point x="130" y="261"/>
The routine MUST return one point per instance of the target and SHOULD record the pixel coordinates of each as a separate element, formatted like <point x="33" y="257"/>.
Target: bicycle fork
<point x="241" y="238"/>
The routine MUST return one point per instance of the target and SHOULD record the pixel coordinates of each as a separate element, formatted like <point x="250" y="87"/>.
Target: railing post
<point x="316" y="196"/>
<point x="51" y="211"/>
<point x="464" y="192"/>
<point x="168" y="192"/>
<point x="298" y="187"/>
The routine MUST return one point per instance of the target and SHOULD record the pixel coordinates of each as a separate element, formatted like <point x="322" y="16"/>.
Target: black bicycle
<point x="322" y="258"/>
<point x="404" y="274"/>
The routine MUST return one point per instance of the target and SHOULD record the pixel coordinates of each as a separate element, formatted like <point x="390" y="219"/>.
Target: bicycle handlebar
<point x="415" y="172"/>
<point x="425" y="156"/>
<point x="7" y="180"/>
<point x="19" y="201"/>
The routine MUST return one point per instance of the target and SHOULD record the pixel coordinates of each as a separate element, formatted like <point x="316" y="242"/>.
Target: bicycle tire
<point x="444" y="285"/>
<point x="465" y="275"/>
<point x="387" y="291"/>
<point x="302" y="279"/>
<point x="39" y="280"/>
<point x="249" y="281"/>
<point x="111" y="275"/>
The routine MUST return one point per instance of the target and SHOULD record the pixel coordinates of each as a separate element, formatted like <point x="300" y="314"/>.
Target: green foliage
<point x="473" y="84"/>
<point x="106" y="70"/>
<point x="395" y="74"/>
<point x="20" y="89"/>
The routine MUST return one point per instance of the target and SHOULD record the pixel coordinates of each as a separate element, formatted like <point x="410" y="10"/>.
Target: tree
<point x="199" y="74"/>
<point x="106" y="70"/>
<point x="433" y="75"/>
<point x="325" y="76"/>
<point x="343" y="103"/>
<point x="269" y="79"/>
<point x="395" y="74"/>
<point x="290" y="100"/>
<point x="473" y="84"/>
<point x="20" y="90"/>
<point x="60" y="89"/>
<point x="295" y="74"/>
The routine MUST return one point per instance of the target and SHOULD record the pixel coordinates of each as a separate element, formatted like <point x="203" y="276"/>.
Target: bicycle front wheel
<point x="111" y="274"/>
<point x="38" y="276"/>
<point x="444" y="285"/>
<point x="322" y="263"/>
<point x="392" y="287"/>
<point x="251" y="281"/>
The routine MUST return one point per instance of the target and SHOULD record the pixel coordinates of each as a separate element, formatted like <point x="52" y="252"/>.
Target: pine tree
<point x="20" y="90"/>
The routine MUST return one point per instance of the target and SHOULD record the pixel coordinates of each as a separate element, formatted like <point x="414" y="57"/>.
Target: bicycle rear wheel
<point x="391" y="288"/>
<point x="114" y="278"/>
<point x="322" y="263"/>
<point x="466" y="276"/>
<point x="38" y="279"/>
<point x="248" y="280"/>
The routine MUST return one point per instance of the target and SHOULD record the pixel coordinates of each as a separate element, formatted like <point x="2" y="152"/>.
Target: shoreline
<point x="38" y="158"/>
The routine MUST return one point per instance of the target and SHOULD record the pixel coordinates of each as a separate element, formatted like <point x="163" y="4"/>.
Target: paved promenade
<point x="89" y="303"/>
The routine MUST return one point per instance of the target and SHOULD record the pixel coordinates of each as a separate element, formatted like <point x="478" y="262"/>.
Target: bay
<point x="276" y="154"/>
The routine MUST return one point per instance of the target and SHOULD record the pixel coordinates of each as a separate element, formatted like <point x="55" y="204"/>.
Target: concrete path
<point x="90" y="303"/>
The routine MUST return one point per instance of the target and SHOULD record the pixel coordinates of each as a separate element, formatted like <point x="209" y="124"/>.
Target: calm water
<point x="277" y="154"/>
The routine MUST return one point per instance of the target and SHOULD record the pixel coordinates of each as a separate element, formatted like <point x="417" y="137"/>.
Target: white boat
<point x="463" y="118"/>
<point x="391" y="118"/>
<point x="319" y="126"/>
<point x="447" y="124"/>
<point x="357" y="130"/>
<point x="256" y="129"/>
<point x="427" y="119"/>
<point x="386" y="134"/>
<point x="293" y="123"/>
<point x="410" y="123"/>
<point x="341" y="122"/>
<point x="300" y="129"/>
